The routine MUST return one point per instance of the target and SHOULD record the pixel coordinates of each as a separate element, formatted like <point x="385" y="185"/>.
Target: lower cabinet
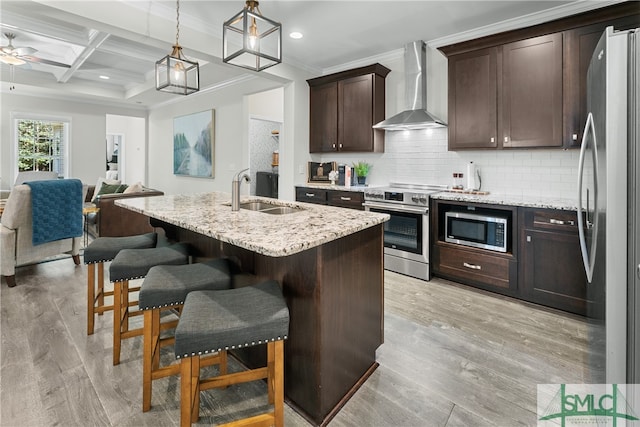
<point x="544" y="265"/>
<point x="339" y="198"/>
<point x="551" y="270"/>
<point x="493" y="272"/>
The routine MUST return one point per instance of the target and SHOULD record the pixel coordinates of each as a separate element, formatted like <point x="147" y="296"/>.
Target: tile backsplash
<point x="422" y="157"/>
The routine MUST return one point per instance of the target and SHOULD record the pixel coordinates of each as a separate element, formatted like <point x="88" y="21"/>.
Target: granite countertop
<point x="272" y="235"/>
<point x="510" y="200"/>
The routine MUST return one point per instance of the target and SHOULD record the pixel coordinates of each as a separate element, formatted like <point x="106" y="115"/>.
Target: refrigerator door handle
<point x="588" y="257"/>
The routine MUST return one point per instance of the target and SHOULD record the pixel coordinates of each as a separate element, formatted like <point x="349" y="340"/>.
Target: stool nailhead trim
<point x="232" y="347"/>
<point x="163" y="305"/>
<point x="98" y="262"/>
<point x="128" y="278"/>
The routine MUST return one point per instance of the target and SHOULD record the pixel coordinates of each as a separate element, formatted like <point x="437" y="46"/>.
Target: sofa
<point x="16" y="236"/>
<point x="114" y="221"/>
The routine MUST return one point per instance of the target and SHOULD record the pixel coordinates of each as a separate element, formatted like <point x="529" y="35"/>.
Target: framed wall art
<point x="194" y="145"/>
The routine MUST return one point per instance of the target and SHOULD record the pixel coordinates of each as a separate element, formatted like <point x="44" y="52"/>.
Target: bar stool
<point x="214" y="321"/>
<point x="132" y="264"/>
<point x="101" y="250"/>
<point x="165" y="288"/>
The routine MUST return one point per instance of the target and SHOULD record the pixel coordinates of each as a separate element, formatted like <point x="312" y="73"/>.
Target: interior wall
<point x="133" y="159"/>
<point x="87" y="134"/>
<point x="230" y="138"/>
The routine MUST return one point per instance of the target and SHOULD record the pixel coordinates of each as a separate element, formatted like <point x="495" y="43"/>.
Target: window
<point x="42" y="145"/>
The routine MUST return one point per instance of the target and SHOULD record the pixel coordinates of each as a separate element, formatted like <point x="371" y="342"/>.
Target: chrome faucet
<point x="235" y="188"/>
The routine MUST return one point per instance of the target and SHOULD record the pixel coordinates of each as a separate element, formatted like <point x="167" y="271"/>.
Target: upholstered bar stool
<point x="166" y="287"/>
<point x="132" y="264"/>
<point x="215" y="321"/>
<point x="101" y="250"/>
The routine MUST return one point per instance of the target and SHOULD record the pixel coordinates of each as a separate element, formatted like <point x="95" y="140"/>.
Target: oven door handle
<point x="393" y="208"/>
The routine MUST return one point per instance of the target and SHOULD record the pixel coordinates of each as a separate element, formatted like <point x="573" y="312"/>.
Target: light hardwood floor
<point x="452" y="356"/>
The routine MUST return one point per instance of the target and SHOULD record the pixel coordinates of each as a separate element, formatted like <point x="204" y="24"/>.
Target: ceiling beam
<point x="95" y="40"/>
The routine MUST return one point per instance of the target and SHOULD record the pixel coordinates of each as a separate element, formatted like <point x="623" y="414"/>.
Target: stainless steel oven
<point x="406" y="234"/>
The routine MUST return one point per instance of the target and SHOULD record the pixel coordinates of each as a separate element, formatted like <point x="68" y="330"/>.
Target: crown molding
<point x="529" y="20"/>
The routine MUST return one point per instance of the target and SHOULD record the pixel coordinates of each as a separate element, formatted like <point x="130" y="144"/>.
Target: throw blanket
<point x="57" y="209"/>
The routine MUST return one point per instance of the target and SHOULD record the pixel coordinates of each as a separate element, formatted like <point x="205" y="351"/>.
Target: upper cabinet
<point x="579" y="44"/>
<point x="343" y="107"/>
<point x="530" y="105"/>
<point x="473" y="100"/>
<point x="527" y="88"/>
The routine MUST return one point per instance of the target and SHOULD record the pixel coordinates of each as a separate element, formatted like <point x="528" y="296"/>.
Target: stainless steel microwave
<point x="479" y="231"/>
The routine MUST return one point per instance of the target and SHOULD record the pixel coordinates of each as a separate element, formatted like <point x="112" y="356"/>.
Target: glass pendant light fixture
<point x="174" y="72"/>
<point x="250" y="40"/>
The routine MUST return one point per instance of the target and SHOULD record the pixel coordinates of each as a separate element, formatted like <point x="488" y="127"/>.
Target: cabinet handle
<point x="560" y="222"/>
<point x="340" y="145"/>
<point x="309" y="194"/>
<point x="346" y="199"/>
<point x="472" y="266"/>
<point x="493" y="139"/>
<point x="528" y="239"/>
<point x="333" y="145"/>
<point x="506" y="139"/>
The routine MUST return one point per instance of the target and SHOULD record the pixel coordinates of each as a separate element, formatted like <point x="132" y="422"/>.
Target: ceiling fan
<point x="20" y="55"/>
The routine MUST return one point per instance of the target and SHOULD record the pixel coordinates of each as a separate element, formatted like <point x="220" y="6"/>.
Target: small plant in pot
<point x="362" y="170"/>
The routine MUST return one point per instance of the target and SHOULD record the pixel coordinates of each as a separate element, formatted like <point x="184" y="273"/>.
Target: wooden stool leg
<point x="100" y="286"/>
<point x="125" y="305"/>
<point x="151" y="353"/>
<point x="91" y="283"/>
<point x="117" y="316"/>
<point x="279" y="383"/>
<point x="189" y="390"/>
<point x="270" y="371"/>
<point x="222" y="366"/>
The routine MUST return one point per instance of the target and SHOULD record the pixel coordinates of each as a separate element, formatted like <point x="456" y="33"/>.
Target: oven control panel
<point x="397" y="197"/>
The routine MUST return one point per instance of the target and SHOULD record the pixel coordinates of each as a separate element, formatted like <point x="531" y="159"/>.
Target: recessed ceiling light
<point x="295" y="35"/>
<point x="105" y="77"/>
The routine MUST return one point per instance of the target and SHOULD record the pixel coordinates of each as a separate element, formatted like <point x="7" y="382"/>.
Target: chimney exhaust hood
<point x="415" y="71"/>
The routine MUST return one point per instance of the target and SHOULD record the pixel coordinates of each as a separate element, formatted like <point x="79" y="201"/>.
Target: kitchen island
<point x="329" y="262"/>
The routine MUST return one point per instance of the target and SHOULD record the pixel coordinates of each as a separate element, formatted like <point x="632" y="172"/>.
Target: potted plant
<point x="362" y="170"/>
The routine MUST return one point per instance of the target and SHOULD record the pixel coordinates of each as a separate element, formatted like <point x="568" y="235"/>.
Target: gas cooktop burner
<point x="403" y="193"/>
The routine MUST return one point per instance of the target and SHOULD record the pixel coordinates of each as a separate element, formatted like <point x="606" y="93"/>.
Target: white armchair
<point x="27" y="176"/>
<point x="16" y="231"/>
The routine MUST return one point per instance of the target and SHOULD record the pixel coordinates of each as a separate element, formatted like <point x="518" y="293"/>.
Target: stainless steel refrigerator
<point x="609" y="206"/>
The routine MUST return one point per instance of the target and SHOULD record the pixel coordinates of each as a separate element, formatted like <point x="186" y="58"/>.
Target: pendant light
<point x="175" y="73"/>
<point x="250" y="40"/>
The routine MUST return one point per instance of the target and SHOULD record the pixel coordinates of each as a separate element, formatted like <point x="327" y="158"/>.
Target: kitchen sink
<point x="256" y="206"/>
<point x="269" y="208"/>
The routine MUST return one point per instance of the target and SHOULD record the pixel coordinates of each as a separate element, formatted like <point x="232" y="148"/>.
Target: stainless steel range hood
<point x="415" y="70"/>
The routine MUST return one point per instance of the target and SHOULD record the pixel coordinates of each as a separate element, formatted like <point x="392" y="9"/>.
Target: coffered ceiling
<point x="109" y="48"/>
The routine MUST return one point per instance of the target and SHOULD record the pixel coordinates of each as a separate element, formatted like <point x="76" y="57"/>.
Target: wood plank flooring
<point x="453" y="356"/>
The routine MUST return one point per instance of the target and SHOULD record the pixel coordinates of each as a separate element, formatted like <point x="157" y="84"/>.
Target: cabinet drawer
<point x="475" y="266"/>
<point x="311" y="195"/>
<point x="551" y="220"/>
<point x="346" y="199"/>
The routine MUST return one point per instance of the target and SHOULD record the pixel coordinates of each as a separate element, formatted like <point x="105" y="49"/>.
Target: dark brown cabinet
<point x="579" y="44"/>
<point x="482" y="268"/>
<point x="323" y="119"/>
<point x="343" y="107"/>
<point x="507" y="96"/>
<point x="339" y="198"/>
<point x="527" y="88"/>
<point x="531" y="101"/>
<point x="551" y="270"/>
<point x="311" y="195"/>
<point x="542" y="265"/>
<point x="473" y="100"/>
